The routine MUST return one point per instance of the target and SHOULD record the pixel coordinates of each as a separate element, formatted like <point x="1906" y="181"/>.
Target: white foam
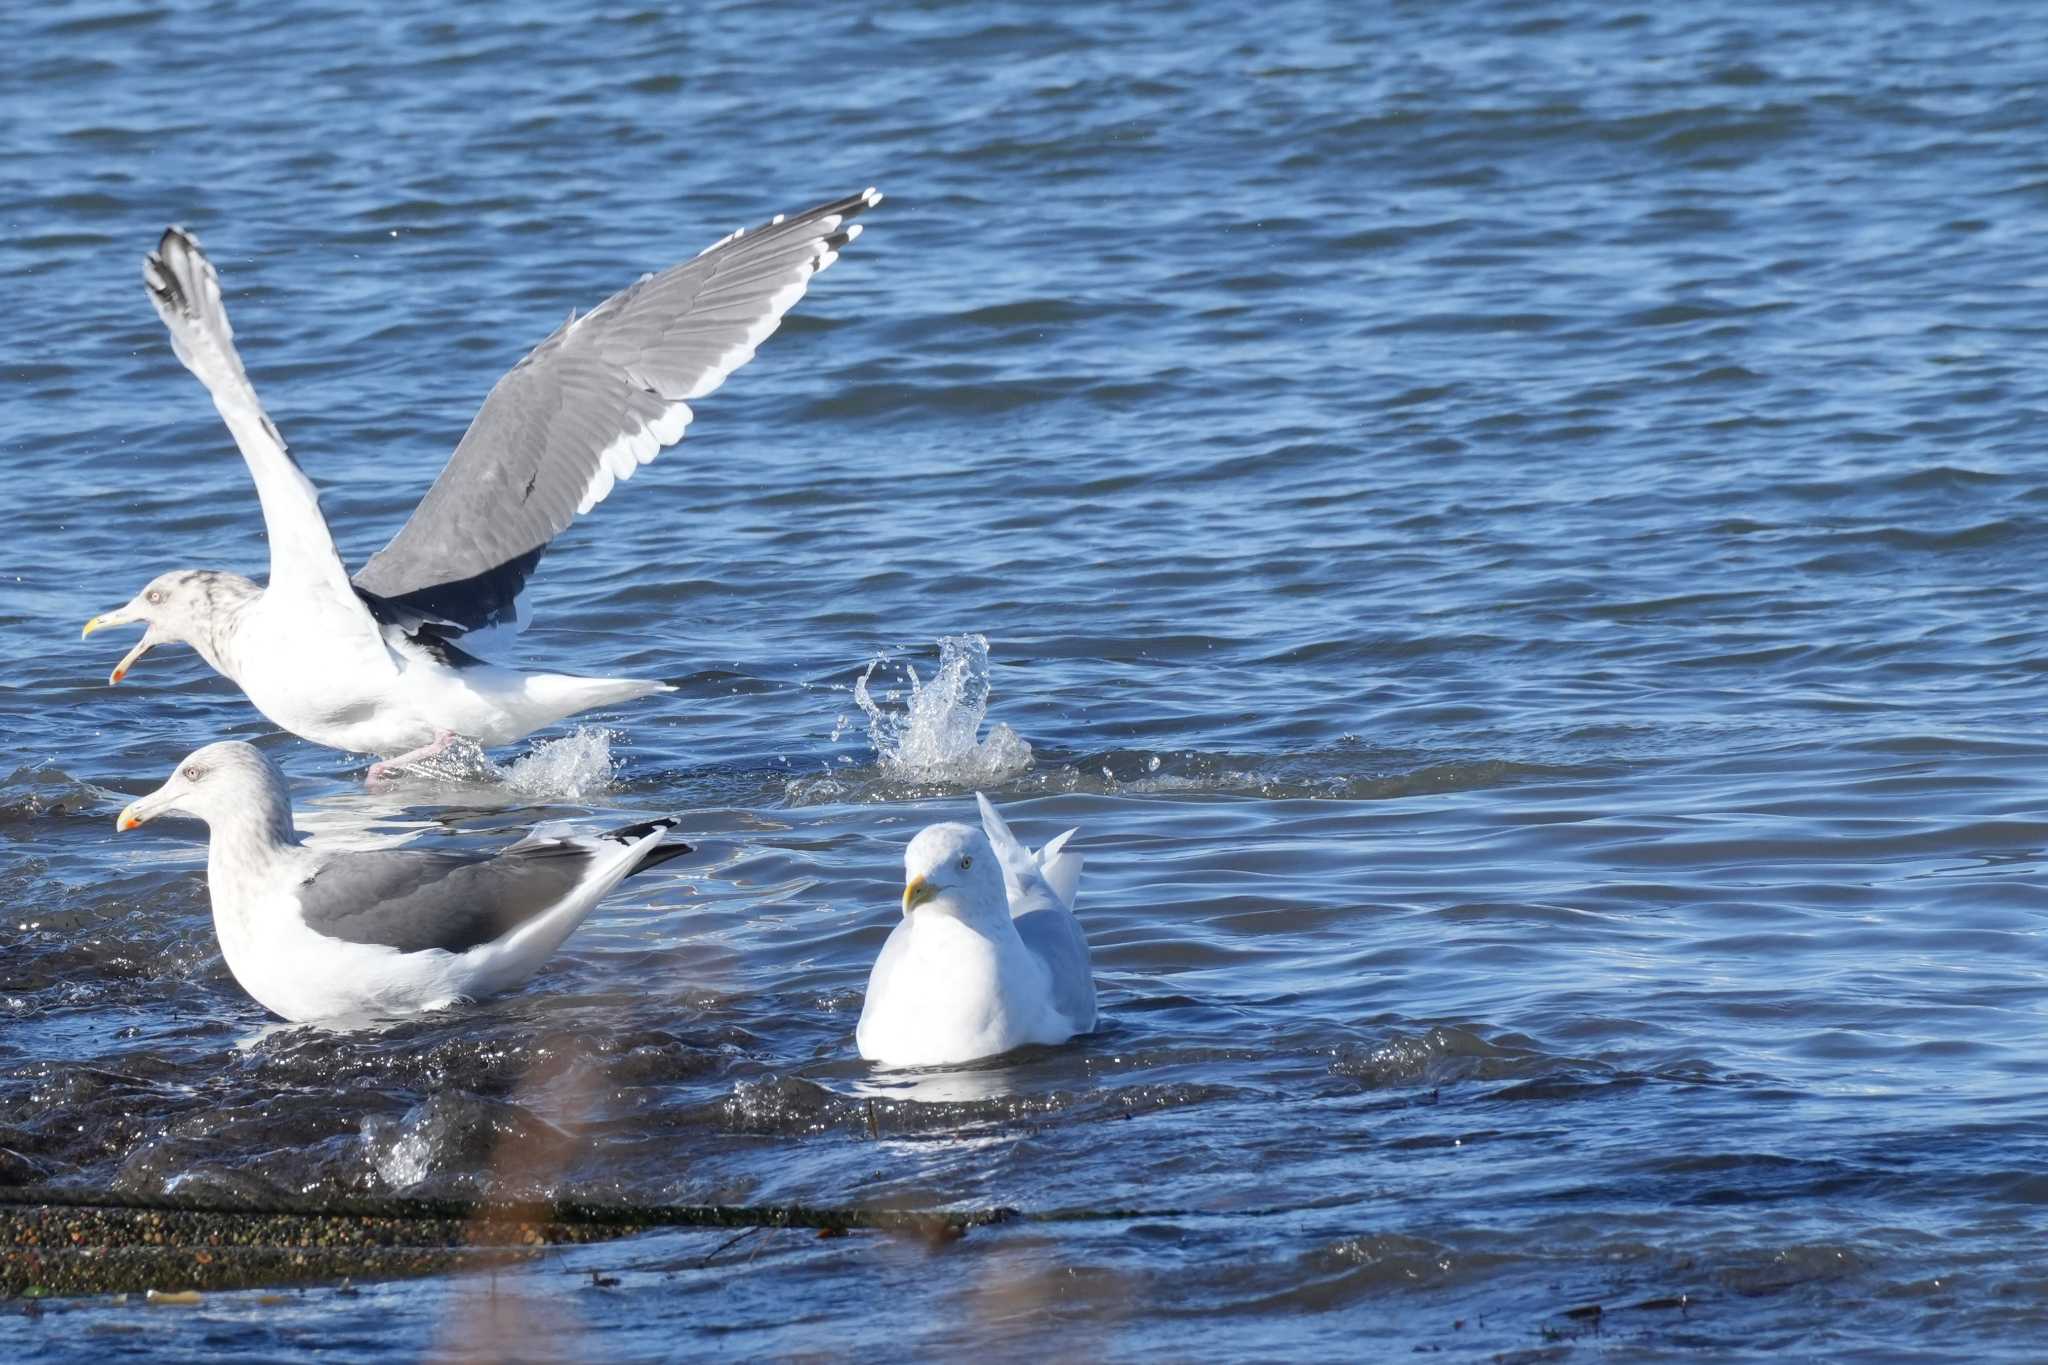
<point x="403" y="1152"/>
<point x="578" y="764"/>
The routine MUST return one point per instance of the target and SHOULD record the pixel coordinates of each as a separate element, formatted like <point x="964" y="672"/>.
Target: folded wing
<point x="592" y="403"/>
<point x="1041" y="888"/>
<point x="416" y="901"/>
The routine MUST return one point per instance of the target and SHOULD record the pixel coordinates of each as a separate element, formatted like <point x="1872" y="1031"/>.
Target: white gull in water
<point x="372" y="664"/>
<point x="988" y="955"/>
<point x="315" y="934"/>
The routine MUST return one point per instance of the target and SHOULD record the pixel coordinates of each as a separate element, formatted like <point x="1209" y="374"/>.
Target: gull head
<point x="229" y="780"/>
<point x="951" y="869"/>
<point x="184" y="606"/>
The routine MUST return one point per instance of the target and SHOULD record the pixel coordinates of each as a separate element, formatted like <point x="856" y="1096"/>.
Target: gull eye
<point x="193" y="772"/>
<point x="155" y="597"/>
<point x="966" y="861"/>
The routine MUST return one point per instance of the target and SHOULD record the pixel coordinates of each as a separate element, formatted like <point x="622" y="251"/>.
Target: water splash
<point x="578" y="765"/>
<point x="936" y="736"/>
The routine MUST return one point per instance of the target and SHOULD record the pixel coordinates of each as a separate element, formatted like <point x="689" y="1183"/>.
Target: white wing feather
<point x="186" y="292"/>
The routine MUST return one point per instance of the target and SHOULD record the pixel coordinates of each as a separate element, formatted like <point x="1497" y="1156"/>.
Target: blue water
<point x="1515" y="533"/>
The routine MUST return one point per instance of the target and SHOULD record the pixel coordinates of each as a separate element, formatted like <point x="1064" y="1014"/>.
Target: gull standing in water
<point x="371" y="664"/>
<point x="988" y="955"/>
<point x="352" y="935"/>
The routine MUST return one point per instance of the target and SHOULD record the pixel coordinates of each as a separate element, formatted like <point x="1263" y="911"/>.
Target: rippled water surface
<point x="1514" y="532"/>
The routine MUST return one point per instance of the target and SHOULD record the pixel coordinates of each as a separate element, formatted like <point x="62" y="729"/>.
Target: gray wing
<point x="1055" y="936"/>
<point x="591" y="404"/>
<point x="416" y="902"/>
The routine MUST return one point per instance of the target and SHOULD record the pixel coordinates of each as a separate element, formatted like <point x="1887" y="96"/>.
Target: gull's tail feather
<point x="1061" y="869"/>
<point x="559" y="695"/>
<point x="1057" y="868"/>
<point x="604" y="861"/>
<point x="1016" y="860"/>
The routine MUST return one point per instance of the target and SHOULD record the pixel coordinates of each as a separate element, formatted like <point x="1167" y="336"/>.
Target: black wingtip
<point x="627" y="834"/>
<point x="666" y="851"/>
<point x="782" y="224"/>
<point x="157" y="274"/>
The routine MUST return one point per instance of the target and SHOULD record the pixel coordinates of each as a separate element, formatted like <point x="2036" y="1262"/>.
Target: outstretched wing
<point x="591" y="404"/>
<point x="186" y="291"/>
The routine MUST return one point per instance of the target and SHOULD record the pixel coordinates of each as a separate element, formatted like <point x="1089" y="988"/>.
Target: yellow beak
<point x="104" y="619"/>
<point x="122" y="617"/>
<point x="916" y="894"/>
<point x="145" y="808"/>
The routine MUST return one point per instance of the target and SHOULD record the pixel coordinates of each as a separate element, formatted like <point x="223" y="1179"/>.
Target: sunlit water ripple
<point x="1514" y="533"/>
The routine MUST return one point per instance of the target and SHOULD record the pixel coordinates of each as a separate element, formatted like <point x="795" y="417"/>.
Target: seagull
<point x="323" y="935"/>
<point x="391" y="661"/>
<point x="988" y="955"/>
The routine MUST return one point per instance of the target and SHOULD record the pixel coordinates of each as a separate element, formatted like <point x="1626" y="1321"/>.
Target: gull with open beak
<point x="348" y="935"/>
<point x="127" y="616"/>
<point x="988" y="955"/>
<point x="371" y="663"/>
<point x="195" y="606"/>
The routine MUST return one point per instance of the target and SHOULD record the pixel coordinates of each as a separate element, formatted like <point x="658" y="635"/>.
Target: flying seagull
<point x="383" y="662"/>
<point x="988" y="955"/>
<point x="347" y="935"/>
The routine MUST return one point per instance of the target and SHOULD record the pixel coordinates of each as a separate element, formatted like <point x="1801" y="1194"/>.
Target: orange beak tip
<point x="115" y="677"/>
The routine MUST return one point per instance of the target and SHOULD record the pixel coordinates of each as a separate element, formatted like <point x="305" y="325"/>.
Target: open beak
<point x="917" y="893"/>
<point x="123" y="617"/>
<point x="145" y="808"/>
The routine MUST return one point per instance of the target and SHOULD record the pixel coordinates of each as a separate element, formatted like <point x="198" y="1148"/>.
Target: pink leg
<point x="385" y="768"/>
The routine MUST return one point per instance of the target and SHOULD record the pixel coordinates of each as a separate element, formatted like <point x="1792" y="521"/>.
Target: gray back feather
<point x="416" y="901"/>
<point x="601" y="396"/>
